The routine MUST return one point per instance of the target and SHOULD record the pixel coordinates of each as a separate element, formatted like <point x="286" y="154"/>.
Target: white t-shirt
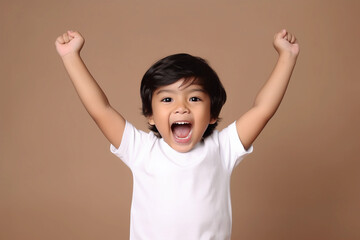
<point x="183" y="196"/>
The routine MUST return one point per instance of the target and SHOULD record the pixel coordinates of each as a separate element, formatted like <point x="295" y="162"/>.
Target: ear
<point x="151" y="120"/>
<point x="213" y="120"/>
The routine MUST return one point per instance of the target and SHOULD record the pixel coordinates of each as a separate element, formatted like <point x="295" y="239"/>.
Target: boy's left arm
<point x="267" y="101"/>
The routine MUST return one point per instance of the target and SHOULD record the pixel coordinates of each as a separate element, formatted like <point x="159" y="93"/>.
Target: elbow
<point x="98" y="113"/>
<point x="265" y="112"/>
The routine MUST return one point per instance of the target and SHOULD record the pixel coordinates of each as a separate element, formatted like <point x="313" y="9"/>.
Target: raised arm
<point x="271" y="94"/>
<point x="110" y="122"/>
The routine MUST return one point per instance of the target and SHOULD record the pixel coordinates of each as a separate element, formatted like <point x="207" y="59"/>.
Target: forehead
<point x="183" y="85"/>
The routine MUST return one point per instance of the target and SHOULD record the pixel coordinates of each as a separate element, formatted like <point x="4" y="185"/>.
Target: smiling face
<point x="181" y="114"/>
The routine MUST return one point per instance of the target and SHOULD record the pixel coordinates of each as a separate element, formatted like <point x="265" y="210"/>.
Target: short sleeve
<point x="132" y="142"/>
<point x="232" y="150"/>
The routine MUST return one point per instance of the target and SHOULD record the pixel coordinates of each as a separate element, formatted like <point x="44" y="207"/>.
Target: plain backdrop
<point x="58" y="179"/>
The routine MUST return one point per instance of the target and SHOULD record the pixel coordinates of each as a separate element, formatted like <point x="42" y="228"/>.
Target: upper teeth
<point x="181" y="123"/>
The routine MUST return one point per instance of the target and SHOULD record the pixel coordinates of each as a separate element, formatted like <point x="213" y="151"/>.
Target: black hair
<point x="169" y="70"/>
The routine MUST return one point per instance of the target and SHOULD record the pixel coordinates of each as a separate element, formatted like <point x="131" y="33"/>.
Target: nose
<point x="181" y="108"/>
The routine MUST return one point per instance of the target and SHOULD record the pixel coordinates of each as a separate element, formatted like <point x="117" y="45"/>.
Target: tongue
<point x="181" y="131"/>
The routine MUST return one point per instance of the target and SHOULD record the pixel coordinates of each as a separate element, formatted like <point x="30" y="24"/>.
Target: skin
<point x="181" y="103"/>
<point x="268" y="99"/>
<point x="112" y="124"/>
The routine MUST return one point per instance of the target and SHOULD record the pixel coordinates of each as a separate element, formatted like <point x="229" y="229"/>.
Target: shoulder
<point x="226" y="134"/>
<point x="229" y="144"/>
<point x="133" y="142"/>
<point x="222" y="139"/>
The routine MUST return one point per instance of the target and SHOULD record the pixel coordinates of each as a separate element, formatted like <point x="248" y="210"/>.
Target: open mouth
<point x="181" y="131"/>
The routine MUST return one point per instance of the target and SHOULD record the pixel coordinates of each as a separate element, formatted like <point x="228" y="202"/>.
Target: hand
<point x="69" y="42"/>
<point x="285" y="42"/>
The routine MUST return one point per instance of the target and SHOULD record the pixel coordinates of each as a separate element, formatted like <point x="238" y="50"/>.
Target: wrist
<point x="287" y="56"/>
<point x="70" y="55"/>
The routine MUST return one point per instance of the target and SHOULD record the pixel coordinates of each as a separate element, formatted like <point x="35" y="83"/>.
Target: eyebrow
<point x="173" y="91"/>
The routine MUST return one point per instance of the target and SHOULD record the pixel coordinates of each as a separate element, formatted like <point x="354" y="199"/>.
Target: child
<point x="182" y="168"/>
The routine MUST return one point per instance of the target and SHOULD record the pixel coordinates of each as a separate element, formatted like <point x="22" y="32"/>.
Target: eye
<point x="167" y="99"/>
<point x="194" y="99"/>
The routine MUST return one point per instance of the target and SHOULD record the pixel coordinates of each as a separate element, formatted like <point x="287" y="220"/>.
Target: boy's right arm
<point x="110" y="122"/>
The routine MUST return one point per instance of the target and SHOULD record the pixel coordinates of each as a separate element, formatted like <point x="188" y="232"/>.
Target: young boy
<point x="182" y="168"/>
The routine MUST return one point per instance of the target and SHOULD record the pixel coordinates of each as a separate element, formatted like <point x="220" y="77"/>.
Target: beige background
<point x="58" y="179"/>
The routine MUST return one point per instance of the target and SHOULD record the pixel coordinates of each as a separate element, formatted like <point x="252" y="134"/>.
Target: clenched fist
<point x="285" y="42"/>
<point x="69" y="42"/>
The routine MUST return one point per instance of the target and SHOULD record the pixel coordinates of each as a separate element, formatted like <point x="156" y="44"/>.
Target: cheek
<point x="160" y="116"/>
<point x="207" y="112"/>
